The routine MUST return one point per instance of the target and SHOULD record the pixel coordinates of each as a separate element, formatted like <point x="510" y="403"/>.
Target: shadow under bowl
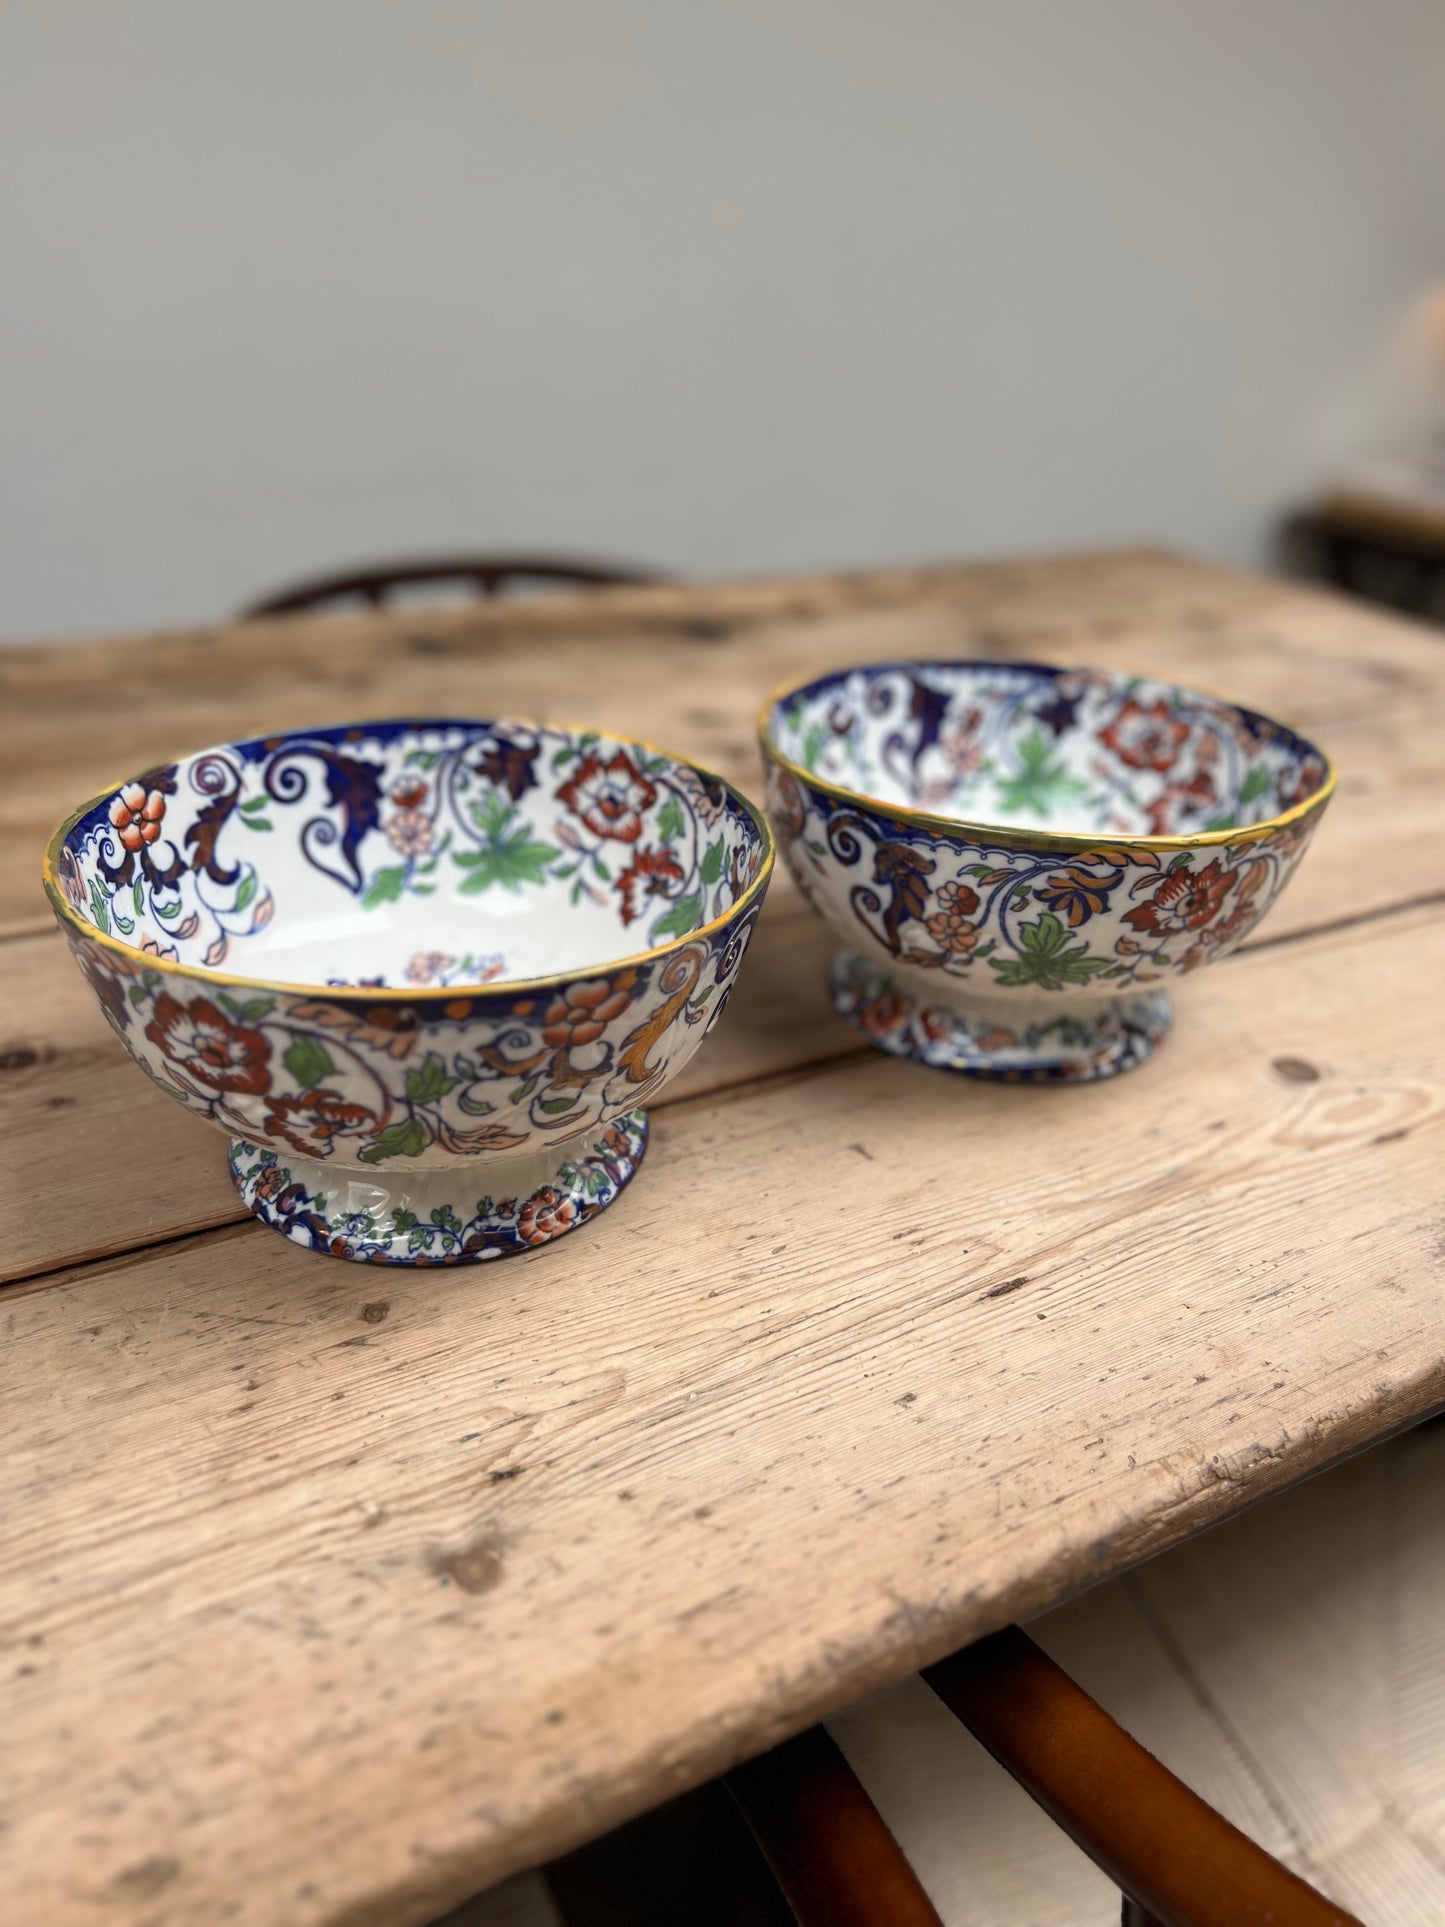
<point x="1020" y="858"/>
<point x="424" y="974"/>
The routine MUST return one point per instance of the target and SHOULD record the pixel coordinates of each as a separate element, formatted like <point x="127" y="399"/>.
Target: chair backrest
<point x="484" y="575"/>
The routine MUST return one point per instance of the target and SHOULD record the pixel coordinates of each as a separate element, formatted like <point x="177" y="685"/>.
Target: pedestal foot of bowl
<point x="456" y="1213"/>
<point x="1101" y="1040"/>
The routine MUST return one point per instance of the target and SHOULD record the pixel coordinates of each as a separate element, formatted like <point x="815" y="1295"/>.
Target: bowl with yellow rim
<point x="424" y="974"/>
<point x="1019" y="858"/>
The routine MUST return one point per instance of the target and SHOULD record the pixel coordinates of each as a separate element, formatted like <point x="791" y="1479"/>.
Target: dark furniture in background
<point x="485" y="575"/>
<point x="1385" y="551"/>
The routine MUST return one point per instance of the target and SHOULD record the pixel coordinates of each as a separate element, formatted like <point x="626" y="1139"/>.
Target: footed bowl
<point x="1019" y="859"/>
<point x="424" y="975"/>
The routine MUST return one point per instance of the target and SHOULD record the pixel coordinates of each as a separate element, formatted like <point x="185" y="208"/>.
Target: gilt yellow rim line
<point x="1003" y="835"/>
<point x="437" y="994"/>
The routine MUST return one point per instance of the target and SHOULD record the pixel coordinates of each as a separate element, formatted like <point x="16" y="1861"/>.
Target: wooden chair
<point x="485" y="575"/>
<point x="834" y="1863"/>
<point x="1178" y="1862"/>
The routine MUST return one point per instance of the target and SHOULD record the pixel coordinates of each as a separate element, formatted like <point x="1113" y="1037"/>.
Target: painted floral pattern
<point x="490" y="1071"/>
<point x="1021" y="743"/>
<point x="444" y="1051"/>
<point x="195" y="862"/>
<point x="1106" y="919"/>
<point x="1002" y="912"/>
<point x="496" y="1226"/>
<point x="1059" y="1049"/>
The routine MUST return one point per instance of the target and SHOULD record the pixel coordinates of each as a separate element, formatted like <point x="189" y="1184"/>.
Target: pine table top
<point x="331" y="1594"/>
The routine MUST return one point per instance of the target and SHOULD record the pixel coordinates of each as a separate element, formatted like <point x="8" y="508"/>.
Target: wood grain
<point x="316" y="1613"/>
<point x="689" y="667"/>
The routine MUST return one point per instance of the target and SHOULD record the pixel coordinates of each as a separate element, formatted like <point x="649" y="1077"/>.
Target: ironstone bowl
<point x="1020" y="857"/>
<point x="424" y="974"/>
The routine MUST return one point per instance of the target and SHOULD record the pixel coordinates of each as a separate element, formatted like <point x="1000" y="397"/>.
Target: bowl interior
<point x="411" y="854"/>
<point x="1028" y="746"/>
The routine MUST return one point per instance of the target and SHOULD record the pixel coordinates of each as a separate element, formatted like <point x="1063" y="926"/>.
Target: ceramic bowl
<point x="424" y="974"/>
<point x="1019" y="858"/>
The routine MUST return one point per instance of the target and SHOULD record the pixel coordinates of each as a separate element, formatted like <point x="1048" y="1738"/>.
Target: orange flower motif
<point x="1185" y="900"/>
<point x="204" y="1041"/>
<point x="650" y="871"/>
<point x="610" y="797"/>
<point x="949" y="926"/>
<point x="878" y="1015"/>
<point x="581" y="1014"/>
<point x="136" y="813"/>
<point x="271" y="1180"/>
<point x="410" y="832"/>
<point x="1145" y="738"/>
<point x="309" y="1122"/>
<point x="545" y="1215"/>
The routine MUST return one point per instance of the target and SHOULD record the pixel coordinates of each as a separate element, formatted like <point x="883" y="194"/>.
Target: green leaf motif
<point x="554" y="1106"/>
<point x="138" y="897"/>
<point x="137" y="994"/>
<point x="253" y="805"/>
<point x="408" y="1139"/>
<point x="246" y="891"/>
<point x="1039" y="783"/>
<point x="99" y="908"/>
<point x="385" y="886"/>
<point x="248" y="1013"/>
<point x="168" y="911"/>
<point x="508" y="859"/>
<point x="475" y="1106"/>
<point x="1043" y="959"/>
<point x="308" y="1061"/>
<point x="670" y="820"/>
<point x="679" y="920"/>
<point x="492" y="813"/>
<point x="1255" y="784"/>
<point x="712" y="863"/>
<point x="813" y="742"/>
<point x="429" y="1080"/>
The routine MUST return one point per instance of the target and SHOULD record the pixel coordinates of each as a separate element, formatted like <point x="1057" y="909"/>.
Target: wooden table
<point x="331" y="1594"/>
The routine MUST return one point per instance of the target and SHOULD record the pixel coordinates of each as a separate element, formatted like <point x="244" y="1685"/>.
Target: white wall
<point x="741" y="286"/>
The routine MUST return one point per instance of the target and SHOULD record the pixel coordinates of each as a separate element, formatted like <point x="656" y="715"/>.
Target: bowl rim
<point x="1014" y="836"/>
<point x="381" y="995"/>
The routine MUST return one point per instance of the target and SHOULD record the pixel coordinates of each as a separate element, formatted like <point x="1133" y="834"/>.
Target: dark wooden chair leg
<point x="1134" y="1915"/>
<point x="824" y="1839"/>
<point x="692" y="1861"/>
<point x="1181" y="1863"/>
